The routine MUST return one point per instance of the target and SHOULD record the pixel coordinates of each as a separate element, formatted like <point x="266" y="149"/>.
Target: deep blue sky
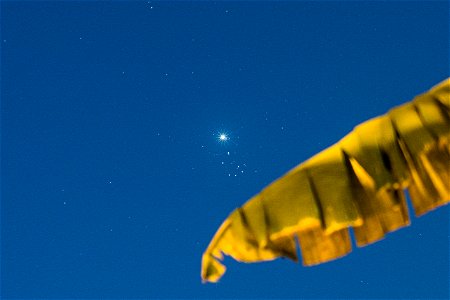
<point x="113" y="180"/>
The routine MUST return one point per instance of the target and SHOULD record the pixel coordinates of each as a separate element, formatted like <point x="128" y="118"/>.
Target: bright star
<point x="223" y="137"/>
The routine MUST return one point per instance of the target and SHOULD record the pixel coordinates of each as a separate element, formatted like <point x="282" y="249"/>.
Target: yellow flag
<point x="359" y="182"/>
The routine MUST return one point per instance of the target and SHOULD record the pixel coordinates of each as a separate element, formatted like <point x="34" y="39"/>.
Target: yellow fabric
<point x="359" y="182"/>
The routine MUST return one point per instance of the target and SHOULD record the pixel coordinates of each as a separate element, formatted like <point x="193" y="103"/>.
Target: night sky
<point x="113" y="175"/>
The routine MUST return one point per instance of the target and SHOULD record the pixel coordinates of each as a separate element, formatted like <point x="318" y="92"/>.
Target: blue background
<point x="114" y="181"/>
